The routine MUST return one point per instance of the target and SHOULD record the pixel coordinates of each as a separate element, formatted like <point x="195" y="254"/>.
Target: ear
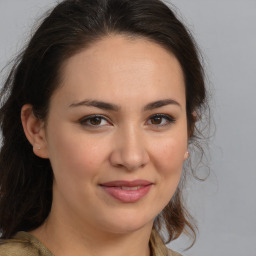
<point x="186" y="155"/>
<point x="34" y="130"/>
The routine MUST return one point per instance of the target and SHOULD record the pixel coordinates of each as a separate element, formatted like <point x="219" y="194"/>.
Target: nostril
<point x="130" y="151"/>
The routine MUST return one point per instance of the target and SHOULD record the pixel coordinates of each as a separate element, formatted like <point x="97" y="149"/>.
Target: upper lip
<point x="126" y="183"/>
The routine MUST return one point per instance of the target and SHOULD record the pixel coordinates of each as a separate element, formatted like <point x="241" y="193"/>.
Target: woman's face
<point x="116" y="134"/>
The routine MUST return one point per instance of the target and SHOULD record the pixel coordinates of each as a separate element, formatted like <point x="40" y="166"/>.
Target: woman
<point x="96" y="119"/>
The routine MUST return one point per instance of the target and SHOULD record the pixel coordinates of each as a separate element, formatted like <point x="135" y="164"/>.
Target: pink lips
<point x="127" y="191"/>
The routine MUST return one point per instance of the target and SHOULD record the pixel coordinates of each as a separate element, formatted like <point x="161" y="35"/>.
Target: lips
<point x="127" y="191"/>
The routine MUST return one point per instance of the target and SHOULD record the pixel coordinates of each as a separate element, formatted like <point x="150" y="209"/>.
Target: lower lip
<point x="127" y="196"/>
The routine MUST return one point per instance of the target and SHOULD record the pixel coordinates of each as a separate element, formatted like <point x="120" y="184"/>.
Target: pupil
<point x="96" y="120"/>
<point x="156" y="120"/>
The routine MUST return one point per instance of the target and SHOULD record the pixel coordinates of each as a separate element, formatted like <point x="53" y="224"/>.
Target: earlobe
<point x="34" y="130"/>
<point x="186" y="155"/>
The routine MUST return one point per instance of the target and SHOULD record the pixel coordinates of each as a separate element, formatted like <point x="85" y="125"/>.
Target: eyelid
<point x="84" y="119"/>
<point x="170" y="119"/>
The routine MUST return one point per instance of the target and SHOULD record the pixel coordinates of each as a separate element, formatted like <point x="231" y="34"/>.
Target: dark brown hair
<point x="25" y="179"/>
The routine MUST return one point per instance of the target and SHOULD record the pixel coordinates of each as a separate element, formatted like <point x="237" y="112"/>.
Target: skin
<point x="128" y="143"/>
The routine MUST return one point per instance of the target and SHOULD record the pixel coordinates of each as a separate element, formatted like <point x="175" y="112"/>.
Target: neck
<point x="78" y="239"/>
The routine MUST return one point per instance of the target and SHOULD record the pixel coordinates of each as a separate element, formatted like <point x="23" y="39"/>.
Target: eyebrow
<point x="161" y="103"/>
<point x="97" y="104"/>
<point x="109" y="106"/>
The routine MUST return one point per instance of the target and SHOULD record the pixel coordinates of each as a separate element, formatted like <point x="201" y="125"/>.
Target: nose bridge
<point x="131" y="151"/>
<point x="132" y="143"/>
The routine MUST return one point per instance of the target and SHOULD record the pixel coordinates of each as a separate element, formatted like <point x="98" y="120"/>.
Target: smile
<point x="127" y="191"/>
<point x="130" y="188"/>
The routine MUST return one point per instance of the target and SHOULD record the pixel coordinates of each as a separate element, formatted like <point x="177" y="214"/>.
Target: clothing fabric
<point x="25" y="244"/>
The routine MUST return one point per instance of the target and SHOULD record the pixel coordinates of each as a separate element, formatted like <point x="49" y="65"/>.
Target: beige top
<point x="24" y="244"/>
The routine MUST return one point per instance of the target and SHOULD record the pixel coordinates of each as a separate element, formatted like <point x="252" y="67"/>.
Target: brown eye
<point x="95" y="120"/>
<point x="160" y="120"/>
<point x="156" y="120"/>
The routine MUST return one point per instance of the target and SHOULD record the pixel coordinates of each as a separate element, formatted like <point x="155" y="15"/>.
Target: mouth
<point x="127" y="191"/>
<point x="130" y="188"/>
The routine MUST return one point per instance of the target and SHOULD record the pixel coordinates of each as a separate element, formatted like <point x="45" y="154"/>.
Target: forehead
<point x="121" y="67"/>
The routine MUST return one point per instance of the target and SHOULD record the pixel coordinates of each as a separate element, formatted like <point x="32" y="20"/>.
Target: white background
<point x="225" y="204"/>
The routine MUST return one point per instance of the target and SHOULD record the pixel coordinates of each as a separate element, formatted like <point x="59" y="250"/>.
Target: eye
<point x="160" y="120"/>
<point x="94" y="121"/>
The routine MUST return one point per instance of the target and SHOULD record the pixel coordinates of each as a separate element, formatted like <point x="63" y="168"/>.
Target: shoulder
<point x="17" y="247"/>
<point x="23" y="244"/>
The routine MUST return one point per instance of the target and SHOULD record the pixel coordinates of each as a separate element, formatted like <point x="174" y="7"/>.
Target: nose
<point x="129" y="151"/>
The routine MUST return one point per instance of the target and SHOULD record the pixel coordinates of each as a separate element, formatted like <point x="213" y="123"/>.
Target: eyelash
<point x="169" y="119"/>
<point x="84" y="121"/>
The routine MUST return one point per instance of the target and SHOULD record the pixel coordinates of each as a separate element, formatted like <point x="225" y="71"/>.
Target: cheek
<point x="77" y="156"/>
<point x="168" y="155"/>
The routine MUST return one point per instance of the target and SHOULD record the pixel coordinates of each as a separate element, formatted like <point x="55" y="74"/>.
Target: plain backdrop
<point x="225" y="204"/>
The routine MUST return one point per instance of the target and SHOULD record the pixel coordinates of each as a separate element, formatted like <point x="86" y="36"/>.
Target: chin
<point x="127" y="222"/>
